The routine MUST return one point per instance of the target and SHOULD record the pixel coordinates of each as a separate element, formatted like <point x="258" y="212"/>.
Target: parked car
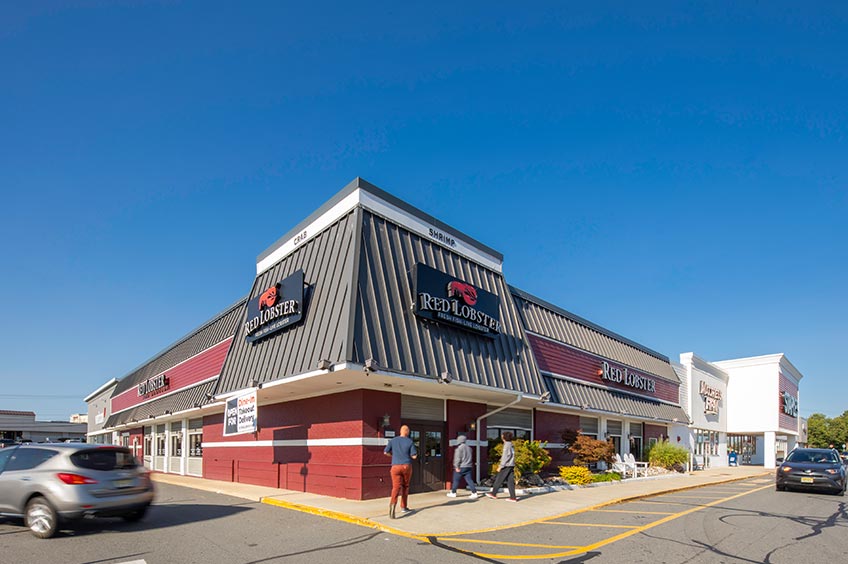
<point x="49" y="485"/>
<point x="812" y="469"/>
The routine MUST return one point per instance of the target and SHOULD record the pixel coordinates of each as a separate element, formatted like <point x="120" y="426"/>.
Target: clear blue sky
<point x="675" y="174"/>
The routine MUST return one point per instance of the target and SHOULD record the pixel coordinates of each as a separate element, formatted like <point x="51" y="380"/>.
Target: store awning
<point x="592" y="398"/>
<point x="183" y="400"/>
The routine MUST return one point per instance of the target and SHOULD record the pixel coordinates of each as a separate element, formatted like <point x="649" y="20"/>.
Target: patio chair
<point x="630" y="460"/>
<point x="619" y="466"/>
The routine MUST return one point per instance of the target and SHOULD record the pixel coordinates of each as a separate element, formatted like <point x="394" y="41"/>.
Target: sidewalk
<point x="437" y="515"/>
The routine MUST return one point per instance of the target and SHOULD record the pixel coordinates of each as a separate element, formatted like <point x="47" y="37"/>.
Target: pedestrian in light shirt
<point x="462" y="466"/>
<point x="506" y="471"/>
<point x="403" y="452"/>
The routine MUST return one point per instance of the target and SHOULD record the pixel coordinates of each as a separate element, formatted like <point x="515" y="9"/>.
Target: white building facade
<point x="763" y="415"/>
<point x="703" y="394"/>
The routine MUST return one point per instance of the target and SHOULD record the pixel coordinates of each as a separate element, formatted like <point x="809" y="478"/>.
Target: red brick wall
<point x="460" y="415"/>
<point x="549" y="427"/>
<point x="654" y="432"/>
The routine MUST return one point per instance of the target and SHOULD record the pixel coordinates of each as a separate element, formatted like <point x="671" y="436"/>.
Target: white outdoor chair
<point x="630" y="460"/>
<point x="619" y="466"/>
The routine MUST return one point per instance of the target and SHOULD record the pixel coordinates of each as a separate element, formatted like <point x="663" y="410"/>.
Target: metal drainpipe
<point x="484" y="416"/>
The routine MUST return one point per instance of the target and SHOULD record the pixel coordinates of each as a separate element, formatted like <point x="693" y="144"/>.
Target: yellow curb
<point x="339" y="516"/>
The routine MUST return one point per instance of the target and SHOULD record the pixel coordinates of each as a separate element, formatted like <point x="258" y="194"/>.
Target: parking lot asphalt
<point x="435" y="515"/>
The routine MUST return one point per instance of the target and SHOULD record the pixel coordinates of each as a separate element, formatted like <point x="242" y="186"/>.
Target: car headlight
<point x="832" y="471"/>
<point x="786" y="469"/>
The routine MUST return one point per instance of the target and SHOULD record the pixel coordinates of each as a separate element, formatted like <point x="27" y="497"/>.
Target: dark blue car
<point x="812" y="469"/>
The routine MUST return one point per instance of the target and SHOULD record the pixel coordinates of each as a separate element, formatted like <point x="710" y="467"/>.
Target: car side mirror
<point x="779" y="460"/>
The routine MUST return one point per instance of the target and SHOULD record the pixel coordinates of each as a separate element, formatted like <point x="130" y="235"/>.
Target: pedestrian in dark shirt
<point x="462" y="466"/>
<point x="506" y="469"/>
<point x="403" y="452"/>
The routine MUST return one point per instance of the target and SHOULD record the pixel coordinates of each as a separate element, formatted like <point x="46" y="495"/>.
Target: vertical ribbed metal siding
<point x="211" y="333"/>
<point x="547" y="323"/>
<point x="325" y="260"/>
<point x="386" y="329"/>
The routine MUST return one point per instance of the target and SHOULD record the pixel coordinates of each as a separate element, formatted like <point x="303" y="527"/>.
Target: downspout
<point x="517" y="399"/>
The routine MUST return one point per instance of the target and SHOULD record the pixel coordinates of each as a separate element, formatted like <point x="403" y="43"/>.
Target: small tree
<point x="587" y="450"/>
<point x="530" y="456"/>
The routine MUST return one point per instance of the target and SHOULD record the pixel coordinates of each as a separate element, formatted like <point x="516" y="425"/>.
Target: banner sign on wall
<point x="241" y="414"/>
<point x="790" y="404"/>
<point x="441" y="297"/>
<point x="277" y="307"/>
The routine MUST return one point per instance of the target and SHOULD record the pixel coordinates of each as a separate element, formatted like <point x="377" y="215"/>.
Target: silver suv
<point x="48" y="484"/>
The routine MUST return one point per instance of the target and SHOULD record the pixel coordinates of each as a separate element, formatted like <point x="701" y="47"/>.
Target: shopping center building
<point x="367" y="315"/>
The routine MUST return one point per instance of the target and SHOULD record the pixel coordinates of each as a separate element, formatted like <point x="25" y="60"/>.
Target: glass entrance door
<point x="428" y="472"/>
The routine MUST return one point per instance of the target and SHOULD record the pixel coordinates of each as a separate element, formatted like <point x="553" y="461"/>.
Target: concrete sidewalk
<point x="437" y="515"/>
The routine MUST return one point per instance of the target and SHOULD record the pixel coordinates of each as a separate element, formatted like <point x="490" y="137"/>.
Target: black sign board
<point x="275" y="308"/>
<point x="443" y="298"/>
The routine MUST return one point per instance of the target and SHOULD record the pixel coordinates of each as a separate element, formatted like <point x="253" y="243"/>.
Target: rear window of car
<point x="103" y="459"/>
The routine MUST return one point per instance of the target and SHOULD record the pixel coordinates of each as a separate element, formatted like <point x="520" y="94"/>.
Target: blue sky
<point x="673" y="173"/>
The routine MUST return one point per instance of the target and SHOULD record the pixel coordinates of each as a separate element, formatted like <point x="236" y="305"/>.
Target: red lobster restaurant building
<point x="367" y="315"/>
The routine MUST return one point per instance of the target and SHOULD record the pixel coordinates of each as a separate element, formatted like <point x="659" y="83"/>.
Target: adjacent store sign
<point x="711" y="398"/>
<point x="241" y="414"/>
<point x="277" y="307"/>
<point x="155" y="384"/>
<point x="443" y="298"/>
<point x="621" y="375"/>
<point x="790" y="404"/>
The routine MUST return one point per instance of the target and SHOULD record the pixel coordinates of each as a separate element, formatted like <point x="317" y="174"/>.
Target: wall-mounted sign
<point x="790" y="404"/>
<point x="155" y="384"/>
<point x="277" y="307"/>
<point x="622" y="375"/>
<point x="711" y="398"/>
<point x="443" y="298"/>
<point x="100" y="417"/>
<point x="241" y="414"/>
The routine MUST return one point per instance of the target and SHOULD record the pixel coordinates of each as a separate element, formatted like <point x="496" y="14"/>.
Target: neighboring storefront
<point x="22" y="426"/>
<point x="99" y="409"/>
<point x="368" y="315"/>
<point x="763" y="421"/>
<point x="704" y="397"/>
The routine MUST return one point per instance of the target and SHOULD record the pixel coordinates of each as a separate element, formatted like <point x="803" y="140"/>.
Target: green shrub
<point x="606" y="477"/>
<point x="530" y="456"/>
<point x="575" y="475"/>
<point x="666" y="455"/>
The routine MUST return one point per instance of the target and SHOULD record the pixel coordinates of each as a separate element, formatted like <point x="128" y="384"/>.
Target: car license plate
<point x="807" y="480"/>
<point x="126" y="483"/>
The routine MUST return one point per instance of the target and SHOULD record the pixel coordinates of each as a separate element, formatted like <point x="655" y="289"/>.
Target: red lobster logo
<point x="465" y="292"/>
<point x="268" y="297"/>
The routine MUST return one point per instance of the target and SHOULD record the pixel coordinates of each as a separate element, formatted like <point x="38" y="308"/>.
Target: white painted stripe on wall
<point x="341" y="441"/>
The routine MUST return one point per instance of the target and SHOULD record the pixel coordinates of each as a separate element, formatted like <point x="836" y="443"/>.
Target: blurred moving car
<point x="49" y="485"/>
<point x="812" y="469"/>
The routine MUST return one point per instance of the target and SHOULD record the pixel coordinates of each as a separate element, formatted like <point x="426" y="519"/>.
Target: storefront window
<point x="160" y="440"/>
<point x="195" y="438"/>
<point x="589" y="426"/>
<point x="706" y="442"/>
<point x="744" y="445"/>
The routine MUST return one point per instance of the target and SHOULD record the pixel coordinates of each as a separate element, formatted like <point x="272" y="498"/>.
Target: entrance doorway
<point x="428" y="471"/>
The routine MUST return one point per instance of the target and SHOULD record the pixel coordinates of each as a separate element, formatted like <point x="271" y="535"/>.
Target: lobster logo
<point x="269" y="297"/>
<point x="465" y="292"/>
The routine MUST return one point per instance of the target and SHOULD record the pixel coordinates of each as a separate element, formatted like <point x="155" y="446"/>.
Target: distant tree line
<point x="824" y="431"/>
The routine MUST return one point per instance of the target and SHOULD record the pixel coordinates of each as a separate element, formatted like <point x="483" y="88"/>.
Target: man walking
<point x="506" y="469"/>
<point x="462" y="466"/>
<point x="403" y="452"/>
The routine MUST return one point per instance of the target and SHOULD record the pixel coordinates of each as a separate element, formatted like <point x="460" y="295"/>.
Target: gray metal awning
<point x="592" y="398"/>
<point x="183" y="400"/>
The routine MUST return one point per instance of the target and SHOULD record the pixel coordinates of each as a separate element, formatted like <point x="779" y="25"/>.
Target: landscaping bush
<point x="667" y="455"/>
<point x="606" y="477"/>
<point x="575" y="475"/>
<point x="530" y="456"/>
<point x="587" y="450"/>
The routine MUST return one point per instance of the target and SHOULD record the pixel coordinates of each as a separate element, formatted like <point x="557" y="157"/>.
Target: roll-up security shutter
<point x="424" y="409"/>
<point x="512" y="419"/>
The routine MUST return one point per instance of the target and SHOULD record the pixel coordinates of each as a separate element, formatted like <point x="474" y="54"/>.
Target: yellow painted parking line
<point x="588" y="525"/>
<point x="634" y="511"/>
<point x="675" y="496"/>
<point x="620" y="536"/>
<point x="478" y="541"/>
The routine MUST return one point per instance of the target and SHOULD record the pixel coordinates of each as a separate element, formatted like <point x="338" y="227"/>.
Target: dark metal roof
<point x="386" y="329"/>
<point x="555" y="323"/>
<point x="221" y="327"/>
<point x="196" y="396"/>
<point x="11" y="412"/>
<point x="327" y="262"/>
<point x="580" y="396"/>
<point x="358" y="183"/>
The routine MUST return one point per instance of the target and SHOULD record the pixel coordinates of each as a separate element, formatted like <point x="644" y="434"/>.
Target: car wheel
<point x="41" y="518"/>
<point x="135" y="514"/>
